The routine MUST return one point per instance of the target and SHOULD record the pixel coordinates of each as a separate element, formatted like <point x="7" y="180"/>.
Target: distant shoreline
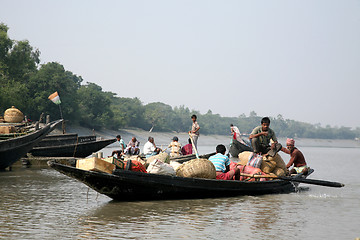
<point x="164" y="138"/>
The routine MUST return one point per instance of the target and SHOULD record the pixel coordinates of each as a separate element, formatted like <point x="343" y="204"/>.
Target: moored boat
<point x="125" y="185"/>
<point x="69" y="145"/>
<point x="12" y="149"/>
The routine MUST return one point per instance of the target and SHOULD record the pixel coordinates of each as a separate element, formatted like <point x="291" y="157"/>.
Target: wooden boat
<point x="12" y="149"/>
<point x="69" y="145"/>
<point x="125" y="185"/>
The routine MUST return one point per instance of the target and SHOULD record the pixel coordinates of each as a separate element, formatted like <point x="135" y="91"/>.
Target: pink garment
<point x="187" y="149"/>
<point x="290" y="141"/>
<point x="250" y="170"/>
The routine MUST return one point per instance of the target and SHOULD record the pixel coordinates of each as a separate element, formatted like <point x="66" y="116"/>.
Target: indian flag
<point x="55" y="98"/>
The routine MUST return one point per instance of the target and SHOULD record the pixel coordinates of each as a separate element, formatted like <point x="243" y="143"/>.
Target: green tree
<point x="94" y="107"/>
<point x="53" y="77"/>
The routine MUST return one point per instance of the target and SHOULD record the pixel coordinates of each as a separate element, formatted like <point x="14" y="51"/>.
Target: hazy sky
<point x="296" y="58"/>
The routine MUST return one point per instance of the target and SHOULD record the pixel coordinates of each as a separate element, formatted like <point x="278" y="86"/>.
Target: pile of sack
<point x="270" y="165"/>
<point x="158" y="164"/>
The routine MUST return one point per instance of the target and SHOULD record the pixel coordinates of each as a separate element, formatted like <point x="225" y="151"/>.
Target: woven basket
<point x="197" y="168"/>
<point x="13" y="115"/>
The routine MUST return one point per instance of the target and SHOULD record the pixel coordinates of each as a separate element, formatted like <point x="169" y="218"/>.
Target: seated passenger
<point x="175" y="147"/>
<point x="297" y="158"/>
<point x="122" y="145"/>
<point x="133" y="147"/>
<point x="187" y="149"/>
<point x="150" y="148"/>
<point x="222" y="165"/>
<point x="260" y="139"/>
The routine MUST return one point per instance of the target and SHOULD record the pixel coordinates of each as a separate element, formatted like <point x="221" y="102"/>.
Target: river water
<point x="40" y="203"/>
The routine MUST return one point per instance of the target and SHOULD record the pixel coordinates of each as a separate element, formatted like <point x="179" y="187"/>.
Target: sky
<point x="296" y="58"/>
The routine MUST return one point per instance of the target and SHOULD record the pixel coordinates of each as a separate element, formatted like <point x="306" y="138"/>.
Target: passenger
<point x="122" y="145"/>
<point x="297" y="158"/>
<point x="187" y="149"/>
<point x="150" y="148"/>
<point x="236" y="134"/>
<point x="260" y="139"/>
<point x="133" y="147"/>
<point x="175" y="147"/>
<point x="194" y="130"/>
<point x="222" y="165"/>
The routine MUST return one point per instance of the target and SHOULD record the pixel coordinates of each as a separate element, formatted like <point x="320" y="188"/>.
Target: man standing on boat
<point x="194" y="133"/>
<point x="260" y="139"/>
<point x="297" y="158"/>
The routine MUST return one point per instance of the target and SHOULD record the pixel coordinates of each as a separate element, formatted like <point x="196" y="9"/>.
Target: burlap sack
<point x="175" y="164"/>
<point x="279" y="161"/>
<point x="279" y="172"/>
<point x="159" y="167"/>
<point x="268" y="166"/>
<point x="197" y="168"/>
<point x="164" y="157"/>
<point x="244" y="157"/>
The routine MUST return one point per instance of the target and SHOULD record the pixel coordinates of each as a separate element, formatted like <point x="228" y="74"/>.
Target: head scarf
<point x="290" y="141"/>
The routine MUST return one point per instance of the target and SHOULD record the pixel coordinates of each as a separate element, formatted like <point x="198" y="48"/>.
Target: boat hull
<point x="80" y="149"/>
<point x="133" y="186"/>
<point x="13" y="149"/>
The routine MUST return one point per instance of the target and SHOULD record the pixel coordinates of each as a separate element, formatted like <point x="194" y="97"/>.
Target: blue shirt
<point x="220" y="162"/>
<point x="122" y="143"/>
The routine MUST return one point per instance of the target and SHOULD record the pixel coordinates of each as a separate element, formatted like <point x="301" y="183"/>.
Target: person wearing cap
<point x="175" y="147"/>
<point x="122" y="145"/>
<point x="150" y="148"/>
<point x="296" y="158"/>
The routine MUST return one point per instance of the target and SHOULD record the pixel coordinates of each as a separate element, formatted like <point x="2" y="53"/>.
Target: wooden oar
<point x="193" y="145"/>
<point x="300" y="180"/>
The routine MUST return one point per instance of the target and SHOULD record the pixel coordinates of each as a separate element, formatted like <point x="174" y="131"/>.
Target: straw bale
<point x="197" y="168"/>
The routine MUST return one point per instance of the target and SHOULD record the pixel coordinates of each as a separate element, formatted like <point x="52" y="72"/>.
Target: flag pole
<point x="61" y="115"/>
<point x="63" y="122"/>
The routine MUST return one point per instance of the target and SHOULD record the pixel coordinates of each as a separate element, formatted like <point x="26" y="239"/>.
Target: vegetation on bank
<point x="27" y="84"/>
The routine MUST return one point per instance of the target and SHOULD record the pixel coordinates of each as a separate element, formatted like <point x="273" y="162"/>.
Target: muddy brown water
<point x="40" y="203"/>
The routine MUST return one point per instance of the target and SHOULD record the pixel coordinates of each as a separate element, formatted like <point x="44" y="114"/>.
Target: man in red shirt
<point x="297" y="158"/>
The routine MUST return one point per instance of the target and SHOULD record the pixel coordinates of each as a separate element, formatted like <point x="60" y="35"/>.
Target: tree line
<point x="27" y="84"/>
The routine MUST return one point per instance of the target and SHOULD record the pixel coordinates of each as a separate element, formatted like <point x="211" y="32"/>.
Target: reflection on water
<point x="41" y="203"/>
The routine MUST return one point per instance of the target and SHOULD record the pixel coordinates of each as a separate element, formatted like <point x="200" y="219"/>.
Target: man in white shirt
<point x="150" y="148"/>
